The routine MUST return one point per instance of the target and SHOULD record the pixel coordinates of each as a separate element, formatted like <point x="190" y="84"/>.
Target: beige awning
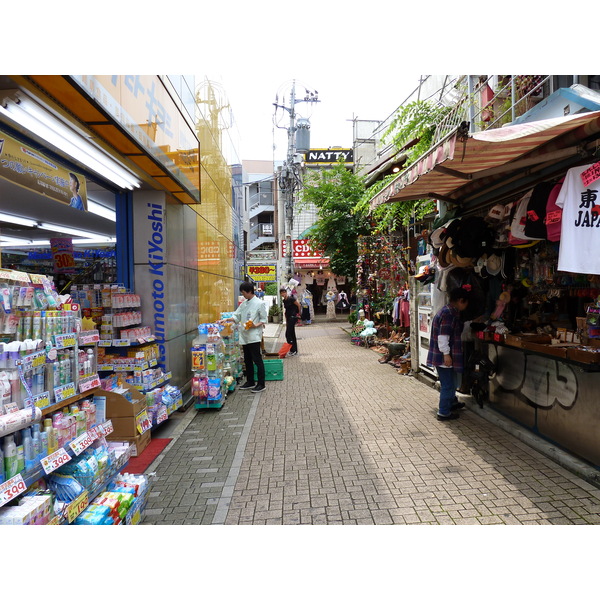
<point x="454" y="168"/>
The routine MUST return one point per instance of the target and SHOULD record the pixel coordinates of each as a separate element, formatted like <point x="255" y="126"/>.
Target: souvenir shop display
<point x="383" y="267"/>
<point x="531" y="266"/>
<point x="330" y="297"/>
<point x="57" y="455"/>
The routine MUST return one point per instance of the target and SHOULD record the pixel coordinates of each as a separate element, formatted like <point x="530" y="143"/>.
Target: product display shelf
<point x="154" y="384"/>
<point x="26" y="479"/>
<point x="128" y="367"/>
<point x="73" y="509"/>
<point x="587" y="367"/>
<point x="71" y="400"/>
<point x="125" y="343"/>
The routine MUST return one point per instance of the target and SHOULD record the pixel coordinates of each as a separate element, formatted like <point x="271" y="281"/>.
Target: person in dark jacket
<point x="292" y="313"/>
<point x="445" y="351"/>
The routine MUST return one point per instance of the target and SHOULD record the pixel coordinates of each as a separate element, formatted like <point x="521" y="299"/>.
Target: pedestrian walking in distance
<point x="445" y="351"/>
<point x="252" y="314"/>
<point x="292" y="314"/>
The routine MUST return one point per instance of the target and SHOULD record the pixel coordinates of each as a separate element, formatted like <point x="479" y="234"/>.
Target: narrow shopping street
<point x="346" y="440"/>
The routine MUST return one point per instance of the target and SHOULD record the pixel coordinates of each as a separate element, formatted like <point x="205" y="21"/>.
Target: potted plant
<point x="274" y="313"/>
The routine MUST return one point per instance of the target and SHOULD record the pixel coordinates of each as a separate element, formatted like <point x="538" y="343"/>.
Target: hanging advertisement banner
<point x="32" y="170"/>
<point x="62" y="254"/>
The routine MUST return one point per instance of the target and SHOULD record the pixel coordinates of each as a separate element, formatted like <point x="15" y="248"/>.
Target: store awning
<point x="311" y="263"/>
<point x="457" y="166"/>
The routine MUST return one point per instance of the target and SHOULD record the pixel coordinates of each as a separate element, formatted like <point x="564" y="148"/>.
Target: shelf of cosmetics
<point x="216" y="360"/>
<point x="29" y="370"/>
<point x="27" y="440"/>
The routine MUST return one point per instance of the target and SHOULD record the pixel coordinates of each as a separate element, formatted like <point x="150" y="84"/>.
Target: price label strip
<point x="12" y="488"/>
<point x="107" y="427"/>
<point x="81" y="443"/>
<point x="55" y="460"/>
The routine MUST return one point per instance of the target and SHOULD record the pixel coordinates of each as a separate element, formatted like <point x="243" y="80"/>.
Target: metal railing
<point x="509" y="101"/>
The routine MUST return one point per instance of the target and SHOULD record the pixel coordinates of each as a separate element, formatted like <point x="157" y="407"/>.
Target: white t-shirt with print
<point x="579" y="250"/>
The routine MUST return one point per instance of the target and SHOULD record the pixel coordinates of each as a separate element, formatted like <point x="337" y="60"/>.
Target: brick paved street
<point x="346" y="440"/>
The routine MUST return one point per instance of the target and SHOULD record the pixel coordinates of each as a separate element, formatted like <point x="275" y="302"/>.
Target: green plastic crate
<point x="273" y="369"/>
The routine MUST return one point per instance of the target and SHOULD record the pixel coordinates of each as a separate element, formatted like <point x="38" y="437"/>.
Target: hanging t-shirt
<point x="580" y="228"/>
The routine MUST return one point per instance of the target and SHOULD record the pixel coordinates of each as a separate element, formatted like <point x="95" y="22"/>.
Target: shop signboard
<point x="301" y="249"/>
<point x="328" y="156"/>
<point x="34" y="171"/>
<point x="262" y="273"/>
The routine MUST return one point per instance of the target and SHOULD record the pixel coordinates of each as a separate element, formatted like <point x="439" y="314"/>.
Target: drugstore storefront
<point x="111" y="169"/>
<point x="537" y="331"/>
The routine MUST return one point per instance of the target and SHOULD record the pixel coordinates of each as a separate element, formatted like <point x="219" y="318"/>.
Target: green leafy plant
<point x="272" y="289"/>
<point x="275" y="310"/>
<point x="335" y="192"/>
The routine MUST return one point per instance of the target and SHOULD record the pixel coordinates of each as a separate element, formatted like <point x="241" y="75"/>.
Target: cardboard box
<point x="118" y="406"/>
<point x="139" y="442"/>
<point x="125" y="426"/>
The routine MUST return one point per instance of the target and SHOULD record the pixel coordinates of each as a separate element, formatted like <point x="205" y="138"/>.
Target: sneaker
<point x="292" y="353"/>
<point x="258" y="388"/>
<point x="458" y="406"/>
<point x="247" y="386"/>
<point x="448" y="417"/>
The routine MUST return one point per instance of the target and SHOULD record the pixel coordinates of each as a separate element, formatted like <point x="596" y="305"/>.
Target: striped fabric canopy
<point x="454" y="168"/>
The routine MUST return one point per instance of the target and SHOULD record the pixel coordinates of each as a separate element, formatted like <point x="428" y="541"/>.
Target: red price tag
<point x="55" y="460"/>
<point x="162" y="415"/>
<point x="84" y="441"/>
<point x="11" y="489"/>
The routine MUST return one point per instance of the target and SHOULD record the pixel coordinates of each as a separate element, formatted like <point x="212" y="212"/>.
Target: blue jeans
<point x="447" y="390"/>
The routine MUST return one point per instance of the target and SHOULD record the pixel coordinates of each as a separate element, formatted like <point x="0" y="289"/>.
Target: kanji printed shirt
<point x="447" y="322"/>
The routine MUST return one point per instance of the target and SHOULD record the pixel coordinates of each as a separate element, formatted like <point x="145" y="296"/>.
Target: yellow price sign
<point x="77" y="506"/>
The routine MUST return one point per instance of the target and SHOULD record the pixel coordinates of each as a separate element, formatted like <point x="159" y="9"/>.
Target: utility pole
<point x="290" y="176"/>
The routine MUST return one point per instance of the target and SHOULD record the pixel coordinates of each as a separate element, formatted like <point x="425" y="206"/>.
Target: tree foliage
<point x="335" y="192"/>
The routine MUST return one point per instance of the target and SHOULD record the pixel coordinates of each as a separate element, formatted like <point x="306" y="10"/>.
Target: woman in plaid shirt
<point x="445" y="351"/>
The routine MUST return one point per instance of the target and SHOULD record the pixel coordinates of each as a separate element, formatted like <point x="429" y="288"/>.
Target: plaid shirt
<point x="446" y="322"/>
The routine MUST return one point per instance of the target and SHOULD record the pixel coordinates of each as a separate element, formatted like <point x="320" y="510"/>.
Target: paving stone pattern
<point x="346" y="440"/>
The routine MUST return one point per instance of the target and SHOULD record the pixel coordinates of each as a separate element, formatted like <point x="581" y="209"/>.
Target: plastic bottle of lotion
<point x="10" y="456"/>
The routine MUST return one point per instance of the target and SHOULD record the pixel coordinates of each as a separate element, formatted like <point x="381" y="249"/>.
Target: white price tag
<point x="81" y="443"/>
<point x="122" y="342"/>
<point x="55" y="460"/>
<point x="11" y="489"/>
<point x="105" y="343"/>
<point x="107" y="427"/>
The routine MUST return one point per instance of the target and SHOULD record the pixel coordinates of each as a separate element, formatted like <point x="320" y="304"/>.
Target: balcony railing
<point x="493" y="102"/>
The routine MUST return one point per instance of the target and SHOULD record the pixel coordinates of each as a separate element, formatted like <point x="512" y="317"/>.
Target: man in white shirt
<point x="252" y="314"/>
